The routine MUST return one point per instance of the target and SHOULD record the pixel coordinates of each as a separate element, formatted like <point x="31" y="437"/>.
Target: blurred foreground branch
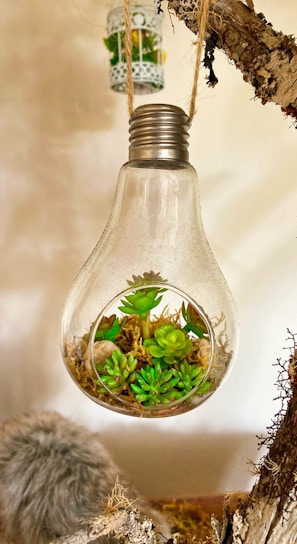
<point x="269" y="514"/>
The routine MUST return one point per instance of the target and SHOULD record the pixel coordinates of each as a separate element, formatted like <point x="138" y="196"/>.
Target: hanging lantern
<point x="149" y="327"/>
<point x="147" y="54"/>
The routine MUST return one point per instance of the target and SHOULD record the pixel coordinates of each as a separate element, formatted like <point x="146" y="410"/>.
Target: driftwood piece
<point x="267" y="58"/>
<point x="123" y="524"/>
<point x="120" y="520"/>
<point x="269" y="514"/>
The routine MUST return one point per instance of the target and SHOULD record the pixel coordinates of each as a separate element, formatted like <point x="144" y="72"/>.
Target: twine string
<point x="202" y="18"/>
<point x="128" y="53"/>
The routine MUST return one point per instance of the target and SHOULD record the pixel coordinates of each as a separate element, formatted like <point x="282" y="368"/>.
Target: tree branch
<point x="266" y="58"/>
<point x="269" y="514"/>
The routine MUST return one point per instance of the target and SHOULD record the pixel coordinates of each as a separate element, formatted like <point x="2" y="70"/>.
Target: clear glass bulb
<point x="150" y="327"/>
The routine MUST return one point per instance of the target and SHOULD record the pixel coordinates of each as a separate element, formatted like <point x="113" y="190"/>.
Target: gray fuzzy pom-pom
<point x="53" y="474"/>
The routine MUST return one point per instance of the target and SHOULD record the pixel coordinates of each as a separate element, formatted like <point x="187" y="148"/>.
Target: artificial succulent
<point x="189" y="376"/>
<point x="116" y="372"/>
<point x="141" y="302"/>
<point x="169" y="343"/>
<point x="194" y="321"/>
<point x="154" y="385"/>
<point x="143" y="299"/>
<point x="108" y="328"/>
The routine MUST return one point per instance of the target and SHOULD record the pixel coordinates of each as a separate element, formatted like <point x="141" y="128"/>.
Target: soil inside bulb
<point x="149" y="363"/>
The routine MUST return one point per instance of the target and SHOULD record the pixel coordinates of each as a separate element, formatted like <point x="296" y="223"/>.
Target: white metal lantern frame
<point x="147" y="55"/>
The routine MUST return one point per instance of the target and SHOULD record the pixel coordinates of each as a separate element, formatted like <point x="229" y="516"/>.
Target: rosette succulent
<point x="154" y="385"/>
<point x="144" y="299"/>
<point x="189" y="376"/>
<point x="141" y="302"/>
<point x="116" y="372"/>
<point x="169" y="343"/>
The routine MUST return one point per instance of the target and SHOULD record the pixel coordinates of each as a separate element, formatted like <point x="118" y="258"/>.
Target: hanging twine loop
<point x="202" y="18"/>
<point x="128" y="52"/>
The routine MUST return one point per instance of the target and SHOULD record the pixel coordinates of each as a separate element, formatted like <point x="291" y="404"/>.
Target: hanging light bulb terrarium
<point x="150" y="327"/>
<point x="146" y="49"/>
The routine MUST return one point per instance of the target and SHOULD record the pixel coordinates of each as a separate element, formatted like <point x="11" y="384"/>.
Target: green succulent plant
<point x="189" y="376"/>
<point x="169" y="344"/>
<point x="116" y="372"/>
<point x="143" y="300"/>
<point x="154" y="385"/>
<point x="108" y="328"/>
<point x="194" y="321"/>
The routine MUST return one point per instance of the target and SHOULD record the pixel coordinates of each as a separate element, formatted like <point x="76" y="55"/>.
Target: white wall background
<point x="63" y="137"/>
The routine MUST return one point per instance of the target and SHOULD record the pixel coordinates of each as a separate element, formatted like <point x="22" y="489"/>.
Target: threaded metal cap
<point x="159" y="131"/>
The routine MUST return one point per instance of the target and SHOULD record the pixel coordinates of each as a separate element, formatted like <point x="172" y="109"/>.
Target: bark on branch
<point x="266" y="58"/>
<point x="269" y="514"/>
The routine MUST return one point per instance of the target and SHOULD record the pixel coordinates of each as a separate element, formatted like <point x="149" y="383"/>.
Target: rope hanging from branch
<point x="266" y="58"/>
<point x="202" y="18"/>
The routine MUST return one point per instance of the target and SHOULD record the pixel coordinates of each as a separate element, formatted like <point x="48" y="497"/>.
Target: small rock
<point x="102" y="350"/>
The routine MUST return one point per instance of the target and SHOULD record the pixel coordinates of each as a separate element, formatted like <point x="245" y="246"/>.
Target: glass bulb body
<point x="150" y="326"/>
